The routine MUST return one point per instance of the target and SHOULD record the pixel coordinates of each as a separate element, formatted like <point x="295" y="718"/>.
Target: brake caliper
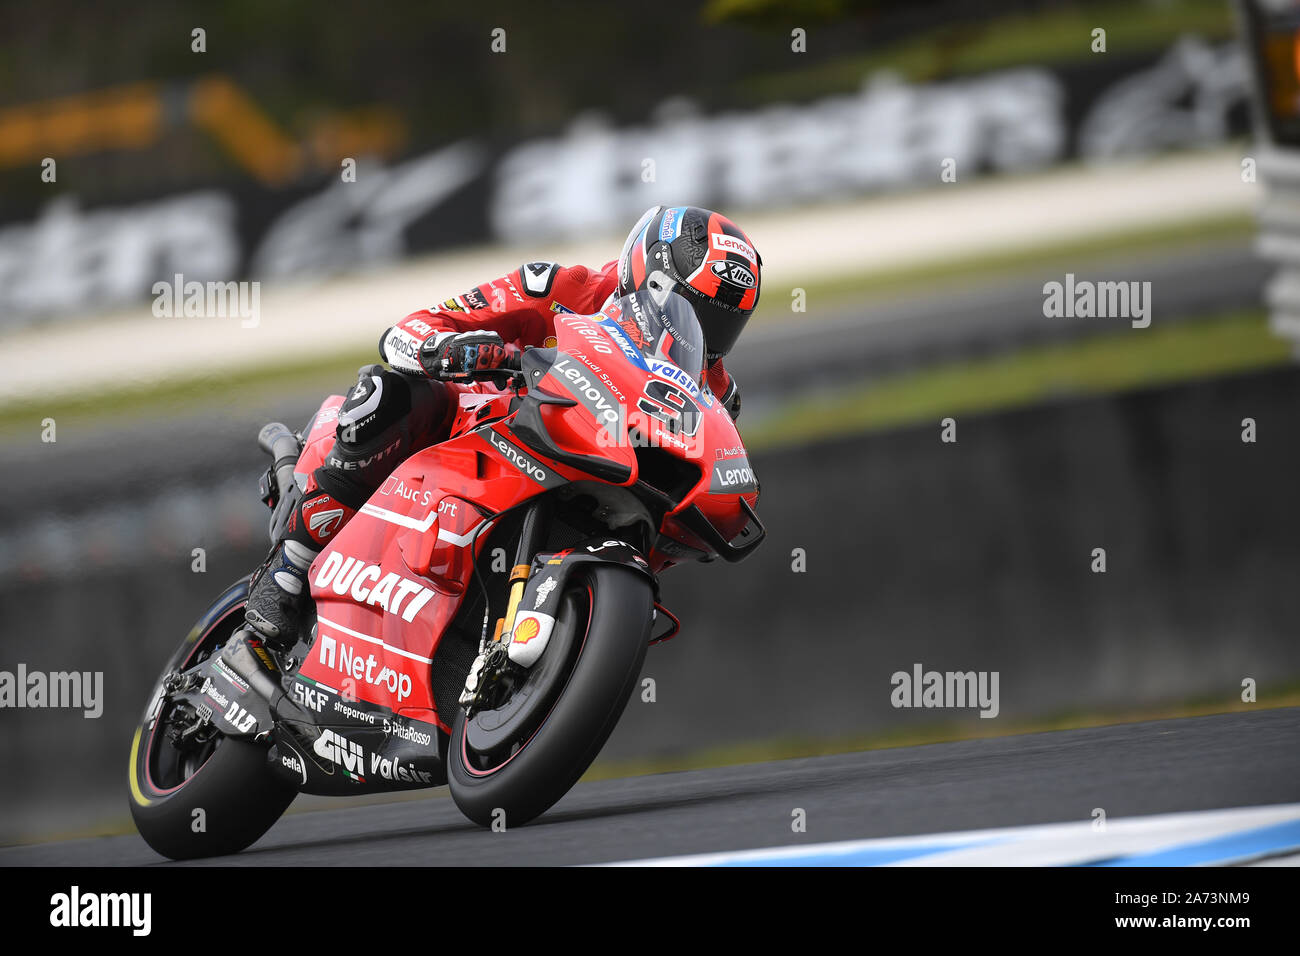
<point x="492" y="679"/>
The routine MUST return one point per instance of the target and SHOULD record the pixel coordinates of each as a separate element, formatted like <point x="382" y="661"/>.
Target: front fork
<point x="531" y="535"/>
<point x="493" y="674"/>
<point x="537" y="587"/>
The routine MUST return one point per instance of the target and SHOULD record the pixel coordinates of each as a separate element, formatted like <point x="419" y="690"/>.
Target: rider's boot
<point x="275" y="602"/>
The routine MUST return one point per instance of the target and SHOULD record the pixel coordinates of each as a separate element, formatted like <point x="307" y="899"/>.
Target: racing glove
<point x="446" y="356"/>
<point x="450" y="356"/>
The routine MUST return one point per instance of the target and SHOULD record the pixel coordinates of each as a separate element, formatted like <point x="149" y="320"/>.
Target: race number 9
<point x="672" y="406"/>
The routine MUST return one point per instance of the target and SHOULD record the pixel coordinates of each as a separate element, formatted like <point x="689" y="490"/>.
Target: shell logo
<point x="526" y="630"/>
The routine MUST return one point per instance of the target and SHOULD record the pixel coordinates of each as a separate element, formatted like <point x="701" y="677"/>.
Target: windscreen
<point x="662" y="326"/>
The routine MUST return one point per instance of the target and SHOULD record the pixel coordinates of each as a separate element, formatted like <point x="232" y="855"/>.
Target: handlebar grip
<point x="512" y="367"/>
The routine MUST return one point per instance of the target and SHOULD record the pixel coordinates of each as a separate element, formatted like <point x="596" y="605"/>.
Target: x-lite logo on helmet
<point x="705" y="257"/>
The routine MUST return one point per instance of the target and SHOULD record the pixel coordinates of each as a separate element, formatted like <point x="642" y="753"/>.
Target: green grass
<point x="1126" y="358"/>
<point x="246" y="387"/>
<point x="1053" y="37"/>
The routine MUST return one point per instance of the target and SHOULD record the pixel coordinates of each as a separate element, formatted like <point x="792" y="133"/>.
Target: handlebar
<point x="510" y="370"/>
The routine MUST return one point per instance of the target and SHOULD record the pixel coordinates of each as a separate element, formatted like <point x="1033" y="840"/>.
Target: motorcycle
<point x="482" y="621"/>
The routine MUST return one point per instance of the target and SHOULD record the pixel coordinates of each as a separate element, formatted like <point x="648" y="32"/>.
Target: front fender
<point x="546" y="584"/>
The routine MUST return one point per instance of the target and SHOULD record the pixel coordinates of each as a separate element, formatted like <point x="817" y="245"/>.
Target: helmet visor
<point x="664" y="329"/>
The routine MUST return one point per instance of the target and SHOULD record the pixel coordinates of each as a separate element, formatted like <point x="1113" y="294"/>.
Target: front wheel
<point x="203" y="797"/>
<point x="512" y="764"/>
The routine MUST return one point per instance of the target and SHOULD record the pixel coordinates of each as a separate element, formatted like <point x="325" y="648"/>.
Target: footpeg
<point x="245" y="655"/>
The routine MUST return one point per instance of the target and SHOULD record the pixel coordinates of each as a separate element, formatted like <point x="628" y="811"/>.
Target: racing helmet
<point x="702" y="256"/>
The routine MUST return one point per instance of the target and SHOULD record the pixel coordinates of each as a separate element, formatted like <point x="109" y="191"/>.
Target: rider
<point x="393" y="412"/>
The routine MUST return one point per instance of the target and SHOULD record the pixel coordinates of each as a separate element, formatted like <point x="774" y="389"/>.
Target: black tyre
<point x="520" y="760"/>
<point x="214" y="799"/>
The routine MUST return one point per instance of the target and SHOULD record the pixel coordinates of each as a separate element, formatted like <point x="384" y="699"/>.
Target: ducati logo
<point x="368" y="584"/>
<point x="325" y="522"/>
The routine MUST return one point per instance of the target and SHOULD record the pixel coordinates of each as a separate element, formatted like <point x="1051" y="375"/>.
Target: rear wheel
<point x="513" y="763"/>
<point x="201" y="796"/>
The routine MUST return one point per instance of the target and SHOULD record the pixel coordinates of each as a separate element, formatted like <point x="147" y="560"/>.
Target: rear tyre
<point x="209" y="800"/>
<point x="585" y="677"/>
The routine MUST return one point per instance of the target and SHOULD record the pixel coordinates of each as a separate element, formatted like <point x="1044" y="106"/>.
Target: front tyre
<point x="587" y="674"/>
<point x="210" y="798"/>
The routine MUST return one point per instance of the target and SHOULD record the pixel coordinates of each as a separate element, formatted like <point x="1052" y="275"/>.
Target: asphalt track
<point x="1198" y="763"/>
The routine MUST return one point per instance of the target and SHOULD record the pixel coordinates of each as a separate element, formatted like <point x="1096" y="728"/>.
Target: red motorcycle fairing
<point x="625" y="402"/>
<point x="318" y="440"/>
<point x="391" y="582"/>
